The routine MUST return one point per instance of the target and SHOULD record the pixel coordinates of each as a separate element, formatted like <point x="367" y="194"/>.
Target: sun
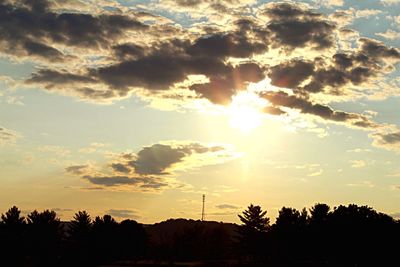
<point x="245" y="111"/>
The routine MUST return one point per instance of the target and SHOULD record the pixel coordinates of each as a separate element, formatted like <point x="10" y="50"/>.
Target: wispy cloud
<point x="357" y="163"/>
<point x="8" y="136"/>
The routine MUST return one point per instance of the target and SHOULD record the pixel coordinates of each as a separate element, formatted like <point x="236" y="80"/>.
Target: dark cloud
<point x="156" y="68"/>
<point x="142" y="183"/>
<point x="160" y="65"/>
<point x="304" y="105"/>
<point x="391" y="138"/>
<point x="378" y="50"/>
<point x="156" y="159"/>
<point x="171" y="62"/>
<point x="331" y="75"/>
<point x="77" y="169"/>
<point x="30" y="27"/>
<point x="286" y="11"/>
<point x="112" y="180"/>
<point x="221" y="88"/>
<point x="387" y="140"/>
<point x="294" y="27"/>
<point x="52" y="78"/>
<point x="291" y="74"/>
<point x="227" y="45"/>
<point x="145" y="171"/>
<point x="167" y="54"/>
<point x="42" y="51"/>
<point x="129" y="51"/>
<point x="119" y="167"/>
<point x="297" y="34"/>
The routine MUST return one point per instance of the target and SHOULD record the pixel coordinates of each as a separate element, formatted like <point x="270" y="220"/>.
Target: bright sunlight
<point x="245" y="111"/>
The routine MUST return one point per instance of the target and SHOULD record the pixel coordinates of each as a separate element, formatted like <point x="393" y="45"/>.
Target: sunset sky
<point x="137" y="108"/>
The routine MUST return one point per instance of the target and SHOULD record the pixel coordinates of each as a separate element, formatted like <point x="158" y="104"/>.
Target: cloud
<point x="119" y="167"/>
<point x="291" y="74"/>
<point x="7" y="136"/>
<point x="389" y="34"/>
<point x="93" y="147"/>
<point x="366" y="184"/>
<point x="132" y="183"/>
<point x="153" y="167"/>
<point x="387" y="140"/>
<point x="330" y="75"/>
<point x="159" y="69"/>
<point x="317" y="173"/>
<point x="390" y="2"/>
<point x="36" y="29"/>
<point x="359" y="150"/>
<point x="227" y="206"/>
<point x="77" y="169"/>
<point x="304" y="105"/>
<point x="159" y="64"/>
<point x="331" y="3"/>
<point x="293" y="27"/>
<point x="205" y="8"/>
<point x="367" y="13"/>
<point x="123" y="213"/>
<point x="158" y="158"/>
<point x="102" y="54"/>
<point x="357" y="163"/>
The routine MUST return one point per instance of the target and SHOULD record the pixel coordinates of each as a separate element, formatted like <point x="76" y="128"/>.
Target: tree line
<point x="344" y="236"/>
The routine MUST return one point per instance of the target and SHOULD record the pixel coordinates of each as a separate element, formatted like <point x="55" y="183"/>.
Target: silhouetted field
<point x="345" y="236"/>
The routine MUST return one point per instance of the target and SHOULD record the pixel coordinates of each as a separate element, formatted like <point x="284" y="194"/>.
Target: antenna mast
<point x="202" y="211"/>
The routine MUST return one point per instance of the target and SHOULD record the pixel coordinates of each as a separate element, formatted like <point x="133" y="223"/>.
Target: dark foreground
<point x="341" y="237"/>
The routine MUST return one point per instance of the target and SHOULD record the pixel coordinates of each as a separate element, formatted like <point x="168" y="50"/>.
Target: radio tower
<point x="202" y="211"/>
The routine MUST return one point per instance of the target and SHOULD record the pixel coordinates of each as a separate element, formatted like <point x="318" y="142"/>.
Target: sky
<point x="137" y="108"/>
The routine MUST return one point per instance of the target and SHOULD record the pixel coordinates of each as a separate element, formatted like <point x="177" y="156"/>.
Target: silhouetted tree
<point x="362" y="236"/>
<point x="319" y="213"/>
<point x="81" y="226"/>
<point x="105" y="238"/>
<point x="132" y="240"/>
<point x="319" y="237"/>
<point x="80" y="237"/>
<point x="44" y="237"/>
<point x="346" y="236"/>
<point x="12" y="231"/>
<point x="252" y="232"/>
<point x="12" y="218"/>
<point x="289" y="234"/>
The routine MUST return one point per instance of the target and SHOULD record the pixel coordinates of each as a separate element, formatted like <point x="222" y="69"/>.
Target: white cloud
<point x="367" y="13"/>
<point x="367" y="184"/>
<point x="357" y="163"/>
<point x="389" y="34"/>
<point x="390" y="2"/>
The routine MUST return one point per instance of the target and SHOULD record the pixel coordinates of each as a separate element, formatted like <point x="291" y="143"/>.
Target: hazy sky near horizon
<point x="137" y="108"/>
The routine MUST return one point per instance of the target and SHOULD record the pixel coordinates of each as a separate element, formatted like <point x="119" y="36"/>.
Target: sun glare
<point x="245" y="111"/>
